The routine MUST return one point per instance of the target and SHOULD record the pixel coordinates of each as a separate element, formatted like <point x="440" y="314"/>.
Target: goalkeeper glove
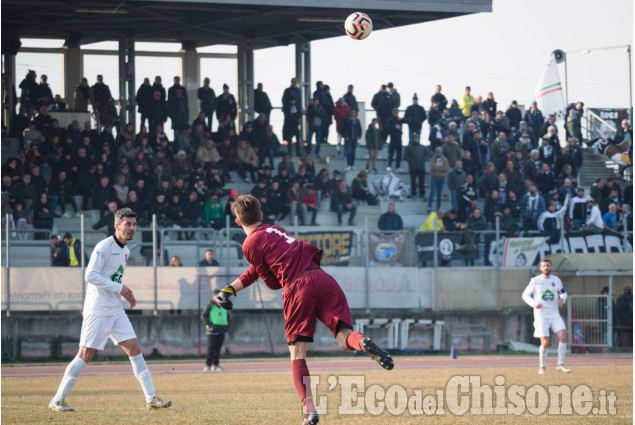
<point x="223" y="297"/>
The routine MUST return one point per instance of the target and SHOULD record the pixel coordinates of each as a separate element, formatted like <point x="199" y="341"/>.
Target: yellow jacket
<point x="428" y="225"/>
<point x="466" y="104"/>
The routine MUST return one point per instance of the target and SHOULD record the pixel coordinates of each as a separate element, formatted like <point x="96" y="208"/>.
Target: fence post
<point x="154" y="261"/>
<point x="81" y="260"/>
<point x="609" y="313"/>
<point x="435" y="242"/>
<point x="498" y="243"/>
<point x="366" y="266"/>
<point x="6" y="235"/>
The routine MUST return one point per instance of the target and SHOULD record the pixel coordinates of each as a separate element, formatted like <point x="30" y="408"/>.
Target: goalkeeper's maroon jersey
<point x="277" y="257"/>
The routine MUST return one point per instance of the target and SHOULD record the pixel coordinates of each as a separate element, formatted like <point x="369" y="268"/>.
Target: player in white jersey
<point x="546" y="295"/>
<point x="104" y="316"/>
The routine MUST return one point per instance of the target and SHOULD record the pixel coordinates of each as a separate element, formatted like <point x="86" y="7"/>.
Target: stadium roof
<point x="195" y="23"/>
<point x="597" y="262"/>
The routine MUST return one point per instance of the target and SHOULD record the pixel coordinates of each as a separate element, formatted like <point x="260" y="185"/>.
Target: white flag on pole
<point x="548" y="92"/>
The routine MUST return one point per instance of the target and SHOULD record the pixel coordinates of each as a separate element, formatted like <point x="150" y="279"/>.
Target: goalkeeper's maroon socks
<point x="353" y="341"/>
<point x="300" y="370"/>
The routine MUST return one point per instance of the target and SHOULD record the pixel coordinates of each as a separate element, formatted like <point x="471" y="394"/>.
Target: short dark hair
<point x="122" y="213"/>
<point x="67" y="236"/>
<point x="546" y="260"/>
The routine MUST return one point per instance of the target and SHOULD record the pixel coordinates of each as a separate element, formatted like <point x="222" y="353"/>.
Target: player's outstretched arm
<point x="225" y="294"/>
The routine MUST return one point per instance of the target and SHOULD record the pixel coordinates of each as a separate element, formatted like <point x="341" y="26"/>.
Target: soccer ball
<point x="358" y="25"/>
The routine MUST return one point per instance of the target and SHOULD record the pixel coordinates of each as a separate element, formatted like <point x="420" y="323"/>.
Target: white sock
<point x="140" y="369"/>
<point x="71" y="374"/>
<point x="562" y="350"/>
<point x="542" y="355"/>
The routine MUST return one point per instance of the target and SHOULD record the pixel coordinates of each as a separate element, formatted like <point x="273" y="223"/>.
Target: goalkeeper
<point x="308" y="293"/>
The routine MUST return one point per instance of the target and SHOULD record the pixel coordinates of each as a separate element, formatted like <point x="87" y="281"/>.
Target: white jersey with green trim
<point x="103" y="277"/>
<point x="546" y="291"/>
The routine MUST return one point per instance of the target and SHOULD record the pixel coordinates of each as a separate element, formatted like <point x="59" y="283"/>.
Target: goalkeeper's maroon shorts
<point x="313" y="295"/>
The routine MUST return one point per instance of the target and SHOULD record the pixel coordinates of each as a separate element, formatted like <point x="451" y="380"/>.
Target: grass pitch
<point x="270" y="397"/>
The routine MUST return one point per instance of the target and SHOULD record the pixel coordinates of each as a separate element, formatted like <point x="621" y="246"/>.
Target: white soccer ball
<point x="358" y="25"/>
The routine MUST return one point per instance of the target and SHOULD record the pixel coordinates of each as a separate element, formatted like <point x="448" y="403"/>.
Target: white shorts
<point x="543" y="323"/>
<point x="97" y="329"/>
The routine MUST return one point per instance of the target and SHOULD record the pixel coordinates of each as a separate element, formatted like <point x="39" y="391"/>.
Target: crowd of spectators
<point x="489" y="162"/>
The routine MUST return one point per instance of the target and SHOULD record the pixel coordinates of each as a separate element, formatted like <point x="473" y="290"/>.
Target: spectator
<point x="262" y="104"/>
<point x="626" y="219"/>
<point x="178" y="110"/>
<point x="476" y="221"/>
<point x="415" y="116"/>
<point x="456" y="178"/>
<point x="467" y="100"/>
<point x="416" y="155"/>
<point x="352" y="132"/>
<point x="359" y="188"/>
<point x="26" y="193"/>
<point x="323" y="185"/>
<point x="340" y="113"/>
<point x="513" y="115"/>
<point x="625" y="317"/>
<point x="551" y="221"/>
<point x="438" y="169"/>
<point x="490" y="104"/>
<point x="74" y="251"/>
<point x="438" y="132"/>
<point x="217" y="322"/>
<point x="390" y="221"/>
<point x="613" y="198"/>
<point x="214" y="213"/>
<point x="247" y="159"/>
<point x="610" y="219"/>
<point x="534" y="118"/>
<point x="545" y="182"/>
<point x="42" y="215"/>
<point x="226" y="105"/>
<point x="61" y="191"/>
<point x="107" y="220"/>
<point x="99" y="96"/>
<point x="499" y="149"/>
<point x="296" y="205"/>
<point x="383" y="106"/>
<point x="594" y="223"/>
<point x="373" y="144"/>
<point x="608" y="187"/>
<point x="492" y="206"/>
<point x="578" y="210"/>
<point x="350" y="99"/>
<point x="439" y="98"/>
<point x="489" y="180"/>
<point x="176" y="261"/>
<point x="342" y="201"/>
<point x="451" y="149"/>
<point x="468" y="195"/>
<point x="157" y="113"/>
<point x="291" y="126"/>
<point x="315" y="115"/>
<point x="207" y="101"/>
<point x="59" y="252"/>
<point x="451" y="223"/>
<point x="271" y="145"/>
<point x="574" y="121"/>
<point x="532" y="206"/>
<point x="309" y="199"/>
<point x="209" y="260"/>
<point x="428" y="224"/>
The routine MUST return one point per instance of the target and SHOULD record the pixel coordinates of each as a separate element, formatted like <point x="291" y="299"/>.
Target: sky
<point x="504" y="52"/>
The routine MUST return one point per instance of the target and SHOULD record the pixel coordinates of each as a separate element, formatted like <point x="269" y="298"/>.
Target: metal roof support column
<point x="191" y="71"/>
<point x="131" y="104"/>
<point x="10" y="48"/>
<point x="245" y="84"/>
<point x="123" y="44"/>
<point x="72" y="73"/>
<point x="303" y="75"/>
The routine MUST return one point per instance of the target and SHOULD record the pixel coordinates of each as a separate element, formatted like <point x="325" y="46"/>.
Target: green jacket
<point x="216" y="318"/>
<point x="373" y="141"/>
<point x="416" y="155"/>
